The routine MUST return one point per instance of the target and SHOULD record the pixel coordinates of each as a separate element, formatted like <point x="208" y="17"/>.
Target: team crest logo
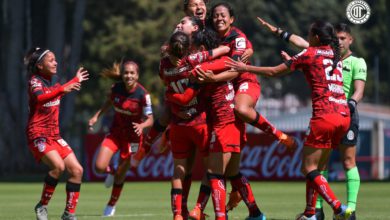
<point x="40" y="143"/>
<point x="358" y="12"/>
<point x="350" y="135"/>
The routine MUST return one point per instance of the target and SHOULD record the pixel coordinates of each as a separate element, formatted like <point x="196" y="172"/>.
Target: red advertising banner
<point x="261" y="159"/>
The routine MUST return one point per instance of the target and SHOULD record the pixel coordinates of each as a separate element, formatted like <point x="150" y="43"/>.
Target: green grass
<point x="152" y="200"/>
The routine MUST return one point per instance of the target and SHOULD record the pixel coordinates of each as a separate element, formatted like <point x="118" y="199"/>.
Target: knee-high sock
<point x="320" y="184"/>
<point x="263" y="124"/>
<point x="49" y="187"/>
<point x="176" y="200"/>
<point x="203" y="197"/>
<point x="311" y="197"/>
<point x="115" y="193"/>
<point x="218" y="192"/>
<point x="353" y="185"/>
<point x="319" y="198"/>
<point x="72" y="196"/>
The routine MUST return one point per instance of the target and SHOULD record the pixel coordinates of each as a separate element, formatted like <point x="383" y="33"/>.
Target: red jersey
<point x="238" y="43"/>
<point x="43" y="114"/>
<point x="327" y="87"/>
<point x="220" y="95"/>
<point x="176" y="78"/>
<point x="129" y="107"/>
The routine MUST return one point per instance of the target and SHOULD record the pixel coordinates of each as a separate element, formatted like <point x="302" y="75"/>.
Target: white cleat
<point x="109" y="211"/>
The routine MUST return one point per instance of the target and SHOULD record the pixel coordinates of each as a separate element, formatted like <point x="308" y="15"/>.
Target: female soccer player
<point x="43" y="135"/>
<point x="320" y="63"/>
<point x="354" y="77"/>
<point x="133" y="113"/>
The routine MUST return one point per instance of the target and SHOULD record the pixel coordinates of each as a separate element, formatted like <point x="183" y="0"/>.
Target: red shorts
<point x="225" y="139"/>
<point x="185" y="139"/>
<point x="326" y="131"/>
<point x="126" y="147"/>
<point x="249" y="88"/>
<point x="42" y="145"/>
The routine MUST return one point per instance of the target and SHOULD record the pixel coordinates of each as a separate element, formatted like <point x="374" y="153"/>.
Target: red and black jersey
<point x="238" y="43"/>
<point x="129" y="107"/>
<point x="326" y="85"/>
<point x="176" y="78"/>
<point x="43" y="112"/>
<point x="220" y="95"/>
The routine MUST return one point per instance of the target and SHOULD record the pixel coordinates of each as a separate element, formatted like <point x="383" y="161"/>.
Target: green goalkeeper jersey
<point x="354" y="68"/>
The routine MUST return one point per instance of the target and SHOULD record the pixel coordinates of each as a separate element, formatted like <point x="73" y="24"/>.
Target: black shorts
<point x="350" y="139"/>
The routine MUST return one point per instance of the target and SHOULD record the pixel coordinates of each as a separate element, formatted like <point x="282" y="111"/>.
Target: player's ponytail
<point x="179" y="44"/>
<point x="115" y="72"/>
<point x="336" y="51"/>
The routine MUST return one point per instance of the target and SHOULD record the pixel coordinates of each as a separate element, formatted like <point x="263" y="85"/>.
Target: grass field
<point x="152" y="200"/>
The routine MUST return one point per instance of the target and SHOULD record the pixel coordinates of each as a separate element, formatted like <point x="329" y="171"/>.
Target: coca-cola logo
<point x="271" y="162"/>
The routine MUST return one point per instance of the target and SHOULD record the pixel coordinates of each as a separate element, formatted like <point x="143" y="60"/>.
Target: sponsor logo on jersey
<point x="327" y="53"/>
<point x="52" y="103"/>
<point x="124" y="111"/>
<point x="176" y="71"/>
<point x="240" y="43"/>
<point x="336" y="88"/>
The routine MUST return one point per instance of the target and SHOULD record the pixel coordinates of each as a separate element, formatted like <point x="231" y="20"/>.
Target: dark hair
<point x="179" y="44"/>
<point x="207" y="38"/>
<point x="186" y="3"/>
<point x="342" y="27"/>
<point x="327" y="36"/>
<point x="224" y="4"/>
<point x="33" y="57"/>
<point x="196" y="21"/>
<point x="115" y="72"/>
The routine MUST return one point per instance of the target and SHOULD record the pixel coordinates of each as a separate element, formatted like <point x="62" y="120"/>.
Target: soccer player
<point x="354" y="77"/>
<point x="320" y="63"/>
<point x="247" y="87"/>
<point x="43" y="134"/>
<point x="133" y="113"/>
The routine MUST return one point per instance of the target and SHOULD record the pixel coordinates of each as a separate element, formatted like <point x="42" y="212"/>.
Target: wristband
<point x="285" y="36"/>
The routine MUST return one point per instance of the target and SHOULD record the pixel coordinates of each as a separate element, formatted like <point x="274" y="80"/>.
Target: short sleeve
<point x="35" y="86"/>
<point x="359" y="70"/>
<point x="147" y="105"/>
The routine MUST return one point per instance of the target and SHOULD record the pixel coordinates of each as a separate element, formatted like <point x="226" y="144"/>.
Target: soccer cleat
<point x="234" y="199"/>
<point x="68" y="216"/>
<point x="178" y="217"/>
<point x="288" y="141"/>
<point x="344" y="214"/>
<point x="304" y="217"/>
<point x="260" y="217"/>
<point x="41" y="211"/>
<point x="109" y="181"/>
<point x="196" y="214"/>
<point x="320" y="215"/>
<point x="109" y="211"/>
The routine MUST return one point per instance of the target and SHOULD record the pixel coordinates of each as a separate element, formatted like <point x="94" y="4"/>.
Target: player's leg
<point x="179" y="172"/>
<point x="73" y="184"/>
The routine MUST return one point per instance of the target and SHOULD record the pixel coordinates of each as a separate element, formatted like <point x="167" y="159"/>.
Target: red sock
<point x="218" y="192"/>
<point x="311" y="199"/>
<point x="241" y="183"/>
<point x="186" y="190"/>
<point x="203" y="197"/>
<point x="176" y="200"/>
<point x="49" y="187"/>
<point x="319" y="183"/>
<point x="115" y="193"/>
<point x="263" y="124"/>
<point x="72" y="196"/>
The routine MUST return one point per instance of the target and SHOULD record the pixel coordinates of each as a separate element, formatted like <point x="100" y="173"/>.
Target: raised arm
<point x="294" y="39"/>
<point x="92" y="121"/>
<point x="259" y="70"/>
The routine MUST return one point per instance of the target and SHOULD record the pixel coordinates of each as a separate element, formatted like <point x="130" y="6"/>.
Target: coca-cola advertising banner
<point x="261" y="159"/>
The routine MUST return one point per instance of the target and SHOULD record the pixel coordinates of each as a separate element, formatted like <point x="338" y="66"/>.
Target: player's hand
<point x="205" y="76"/>
<point x="82" y="74"/>
<point x="268" y="26"/>
<point x="138" y="128"/>
<point x="92" y="122"/>
<point x="246" y="55"/>
<point x="72" y="87"/>
<point x="236" y="65"/>
<point x="285" y="55"/>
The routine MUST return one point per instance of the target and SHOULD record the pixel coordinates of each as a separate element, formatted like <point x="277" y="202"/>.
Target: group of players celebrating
<point x="211" y="92"/>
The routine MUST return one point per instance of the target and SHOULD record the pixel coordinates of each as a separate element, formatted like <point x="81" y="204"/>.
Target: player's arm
<point x="107" y="104"/>
<point x="359" y="82"/>
<point x="148" y="113"/>
<point x="205" y="72"/>
<point x="219" y="51"/>
<point x="183" y="98"/>
<point x="259" y="70"/>
<point x="294" y="39"/>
